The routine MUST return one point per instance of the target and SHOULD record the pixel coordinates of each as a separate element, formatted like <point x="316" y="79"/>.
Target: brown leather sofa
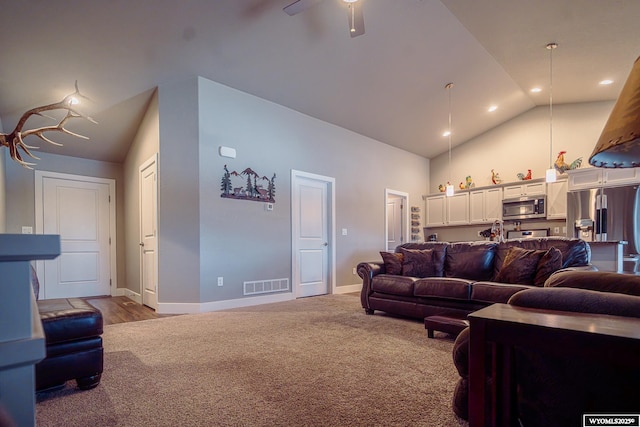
<point x="455" y="279"/>
<point x="72" y="329"/>
<point x="553" y="390"/>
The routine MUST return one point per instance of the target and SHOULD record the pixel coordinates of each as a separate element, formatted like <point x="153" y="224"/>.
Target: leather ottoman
<point x="72" y="329"/>
<point x="446" y="323"/>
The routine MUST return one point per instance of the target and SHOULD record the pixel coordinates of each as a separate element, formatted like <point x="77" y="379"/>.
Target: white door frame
<point x="405" y="196"/>
<point x="331" y="215"/>
<point x="39" y="209"/>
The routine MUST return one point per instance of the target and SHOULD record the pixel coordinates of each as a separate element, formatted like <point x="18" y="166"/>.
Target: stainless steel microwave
<point x="524" y="208"/>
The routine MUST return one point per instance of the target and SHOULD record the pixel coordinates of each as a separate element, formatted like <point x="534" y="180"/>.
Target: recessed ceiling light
<point x="493" y="108"/>
<point x="606" y="82"/>
<point x="446" y="133"/>
<point x="536" y="90"/>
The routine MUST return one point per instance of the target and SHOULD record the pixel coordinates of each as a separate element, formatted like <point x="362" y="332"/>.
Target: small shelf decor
<point x="248" y="185"/>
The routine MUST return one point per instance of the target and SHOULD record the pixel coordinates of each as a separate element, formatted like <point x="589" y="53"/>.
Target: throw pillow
<point x="519" y="266"/>
<point x="550" y="262"/>
<point x="417" y="262"/>
<point x="392" y="262"/>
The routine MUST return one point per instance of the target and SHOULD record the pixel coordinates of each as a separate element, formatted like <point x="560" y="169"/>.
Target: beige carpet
<point x="310" y="362"/>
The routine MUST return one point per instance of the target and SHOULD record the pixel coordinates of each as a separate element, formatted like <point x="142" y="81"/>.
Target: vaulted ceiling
<point x="387" y="84"/>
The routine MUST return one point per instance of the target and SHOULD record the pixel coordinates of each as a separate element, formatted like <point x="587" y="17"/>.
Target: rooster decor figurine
<point x="468" y="183"/>
<point x="562" y="167"/>
<point x="523" y="177"/>
<point x="495" y="177"/>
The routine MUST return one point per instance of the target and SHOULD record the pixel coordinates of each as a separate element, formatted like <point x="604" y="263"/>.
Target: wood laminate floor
<point x="123" y="309"/>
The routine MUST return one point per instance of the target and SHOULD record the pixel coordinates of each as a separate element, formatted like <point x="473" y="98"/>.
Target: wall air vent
<point x="265" y="286"/>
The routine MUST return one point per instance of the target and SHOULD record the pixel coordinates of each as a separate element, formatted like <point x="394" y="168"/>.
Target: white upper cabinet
<point x="435" y="210"/>
<point x="557" y="199"/>
<point x="596" y="177"/>
<point x="531" y="189"/>
<point x="584" y="178"/>
<point x="442" y="210"/>
<point x="458" y="209"/>
<point x="613" y="177"/>
<point x="485" y="206"/>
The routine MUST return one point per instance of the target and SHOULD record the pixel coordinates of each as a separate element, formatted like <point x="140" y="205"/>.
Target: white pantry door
<point x="148" y="232"/>
<point x="78" y="209"/>
<point x="312" y="244"/>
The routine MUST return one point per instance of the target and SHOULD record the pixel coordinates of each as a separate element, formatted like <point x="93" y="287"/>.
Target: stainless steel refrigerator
<point x="606" y="214"/>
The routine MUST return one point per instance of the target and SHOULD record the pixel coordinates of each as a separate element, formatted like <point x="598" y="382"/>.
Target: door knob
<point x="141" y="244"/>
<point x="325" y="244"/>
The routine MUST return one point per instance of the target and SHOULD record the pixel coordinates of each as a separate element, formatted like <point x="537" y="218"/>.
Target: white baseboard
<point x="203" y="307"/>
<point x="348" y="289"/>
<point x="189" y="308"/>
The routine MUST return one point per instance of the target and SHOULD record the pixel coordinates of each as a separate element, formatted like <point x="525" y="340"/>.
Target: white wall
<point x="240" y="240"/>
<point x="20" y="192"/>
<point x="523" y="143"/>
<point x="145" y="144"/>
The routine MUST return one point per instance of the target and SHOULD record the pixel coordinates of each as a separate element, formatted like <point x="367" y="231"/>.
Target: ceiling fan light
<point x="349" y="1"/>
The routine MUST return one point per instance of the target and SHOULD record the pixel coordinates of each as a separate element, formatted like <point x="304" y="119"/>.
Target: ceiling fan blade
<point x="299" y="6"/>
<point x="356" y="19"/>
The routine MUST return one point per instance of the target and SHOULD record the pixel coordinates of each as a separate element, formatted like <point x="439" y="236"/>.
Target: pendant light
<point x="449" y="187"/>
<point x="550" y="175"/>
<point x="619" y="143"/>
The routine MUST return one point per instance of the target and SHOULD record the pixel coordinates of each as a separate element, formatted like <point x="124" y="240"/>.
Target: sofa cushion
<point x="418" y="262"/>
<point x="519" y="266"/>
<point x="392" y="284"/>
<point x="550" y="262"/>
<point x="493" y="292"/>
<point x="439" y="252"/>
<point x="470" y="260"/>
<point x="579" y="301"/>
<point x="392" y="262"/>
<point x="603" y="281"/>
<point x="442" y="287"/>
<point x="575" y="252"/>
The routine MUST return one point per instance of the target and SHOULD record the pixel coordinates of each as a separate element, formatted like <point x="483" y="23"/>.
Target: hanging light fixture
<point x="619" y="143"/>
<point x="550" y="175"/>
<point x="449" y="187"/>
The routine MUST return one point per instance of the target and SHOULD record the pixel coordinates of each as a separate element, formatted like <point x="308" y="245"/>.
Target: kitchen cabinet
<point x="580" y="179"/>
<point x="485" y="206"/>
<point x="584" y="178"/>
<point x="557" y="199"/>
<point x="614" y="177"/>
<point x="531" y="189"/>
<point x="458" y="209"/>
<point x="435" y="210"/>
<point x="442" y="210"/>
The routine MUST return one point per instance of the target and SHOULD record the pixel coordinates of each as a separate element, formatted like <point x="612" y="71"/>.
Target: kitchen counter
<point x="609" y="255"/>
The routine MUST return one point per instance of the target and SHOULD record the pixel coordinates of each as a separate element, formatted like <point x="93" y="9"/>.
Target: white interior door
<point x="148" y="233"/>
<point x="78" y="209"/>
<point x="396" y="224"/>
<point x="312" y="215"/>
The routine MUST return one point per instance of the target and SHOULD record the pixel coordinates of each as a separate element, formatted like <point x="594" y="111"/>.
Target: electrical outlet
<point x="556" y="230"/>
<point x="354" y="270"/>
<point x="220" y="281"/>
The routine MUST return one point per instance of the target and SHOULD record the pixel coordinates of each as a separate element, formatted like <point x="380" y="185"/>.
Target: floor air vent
<point x="265" y="286"/>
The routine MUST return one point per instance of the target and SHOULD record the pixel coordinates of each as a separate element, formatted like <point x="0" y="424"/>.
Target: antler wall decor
<point x="15" y="140"/>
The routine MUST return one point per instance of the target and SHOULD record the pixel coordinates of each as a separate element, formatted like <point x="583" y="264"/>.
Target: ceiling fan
<point x="356" y="21"/>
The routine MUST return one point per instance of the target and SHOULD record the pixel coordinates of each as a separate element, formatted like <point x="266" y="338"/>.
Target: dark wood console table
<point x="500" y="327"/>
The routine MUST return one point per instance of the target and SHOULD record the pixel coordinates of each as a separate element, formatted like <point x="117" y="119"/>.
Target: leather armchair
<point x="555" y="390"/>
